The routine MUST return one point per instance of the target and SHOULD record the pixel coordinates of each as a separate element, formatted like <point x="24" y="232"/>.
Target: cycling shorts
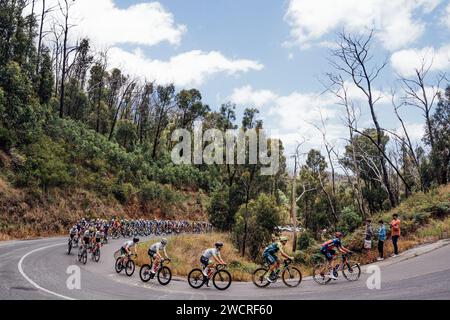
<point x="86" y="240"/>
<point x="328" y="253"/>
<point x="205" y="261"/>
<point x="151" y="253"/>
<point x="270" y="258"/>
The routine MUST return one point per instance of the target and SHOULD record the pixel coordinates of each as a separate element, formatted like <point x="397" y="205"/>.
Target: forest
<point x="80" y="137"/>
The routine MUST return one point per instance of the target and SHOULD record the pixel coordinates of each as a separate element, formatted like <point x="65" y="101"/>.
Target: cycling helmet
<point x="164" y="241"/>
<point x="284" y="239"/>
<point x="339" y="235"/>
<point x="219" y="244"/>
<point x="135" y="239"/>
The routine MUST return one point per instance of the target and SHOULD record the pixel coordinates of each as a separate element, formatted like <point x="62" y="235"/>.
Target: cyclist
<point x="125" y="250"/>
<point x="154" y="254"/>
<point x="73" y="233"/>
<point x="329" y="252"/>
<point x="211" y="256"/>
<point x="272" y="259"/>
<point x="98" y="239"/>
<point x="87" y="235"/>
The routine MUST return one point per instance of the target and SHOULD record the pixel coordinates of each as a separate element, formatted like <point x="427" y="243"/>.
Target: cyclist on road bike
<point x="153" y="252"/>
<point x="329" y="252"/>
<point x="73" y="233"/>
<point x="125" y="250"/>
<point x="210" y="257"/>
<point x="272" y="259"/>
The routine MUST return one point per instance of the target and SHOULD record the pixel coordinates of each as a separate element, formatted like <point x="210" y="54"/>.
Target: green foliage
<point x="7" y="139"/>
<point x="421" y="218"/>
<point x="45" y="166"/>
<point x="349" y="221"/>
<point x="255" y="224"/>
<point x="305" y="240"/>
<point x="219" y="211"/>
<point x="123" y="192"/>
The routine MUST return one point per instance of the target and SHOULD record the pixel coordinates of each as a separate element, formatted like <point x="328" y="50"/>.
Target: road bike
<point x="220" y="277"/>
<point x="126" y="263"/>
<point x="292" y="276"/>
<point x="350" y="270"/>
<point x="164" y="274"/>
<point x="83" y="254"/>
<point x="72" y="243"/>
<point x="95" y="253"/>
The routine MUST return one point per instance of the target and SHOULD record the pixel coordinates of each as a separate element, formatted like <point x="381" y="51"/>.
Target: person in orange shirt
<point x="395" y="233"/>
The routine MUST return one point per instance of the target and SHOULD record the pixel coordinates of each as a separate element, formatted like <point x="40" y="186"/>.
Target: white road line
<point x="19" y="266"/>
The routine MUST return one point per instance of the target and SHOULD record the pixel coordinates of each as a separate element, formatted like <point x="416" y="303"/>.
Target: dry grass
<point x="186" y="251"/>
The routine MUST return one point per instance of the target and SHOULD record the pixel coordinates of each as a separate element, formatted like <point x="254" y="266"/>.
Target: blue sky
<point x="270" y="54"/>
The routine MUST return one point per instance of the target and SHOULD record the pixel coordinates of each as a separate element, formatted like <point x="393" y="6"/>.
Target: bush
<point x="421" y="218"/>
<point x="261" y="218"/>
<point x="7" y="139"/>
<point x="304" y="241"/>
<point x="123" y="192"/>
<point x="350" y="220"/>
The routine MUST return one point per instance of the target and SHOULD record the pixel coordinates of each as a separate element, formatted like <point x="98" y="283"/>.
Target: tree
<point x="440" y="124"/>
<point x="45" y="81"/>
<point x="354" y="59"/>
<point x="263" y="216"/>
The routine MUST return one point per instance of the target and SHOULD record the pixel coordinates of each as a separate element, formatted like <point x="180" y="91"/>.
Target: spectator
<point x="381" y="240"/>
<point x="395" y="233"/>
<point x="368" y="238"/>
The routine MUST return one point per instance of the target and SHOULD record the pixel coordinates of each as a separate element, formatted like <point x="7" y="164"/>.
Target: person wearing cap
<point x="210" y="257"/>
<point x="328" y="251"/>
<point x="156" y="257"/>
<point x="271" y="257"/>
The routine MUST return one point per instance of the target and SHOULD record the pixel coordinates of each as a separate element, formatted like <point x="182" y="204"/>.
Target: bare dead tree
<point x="65" y="12"/>
<point x="339" y="89"/>
<point x="353" y="57"/>
<point x="420" y="94"/>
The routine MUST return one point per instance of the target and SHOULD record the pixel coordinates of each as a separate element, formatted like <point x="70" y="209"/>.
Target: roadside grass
<point x="186" y="250"/>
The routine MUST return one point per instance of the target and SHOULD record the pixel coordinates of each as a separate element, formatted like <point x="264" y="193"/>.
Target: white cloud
<point x="406" y="61"/>
<point x="187" y="69"/>
<point x="395" y="21"/>
<point x="147" y="23"/>
<point x="253" y="98"/>
<point x="416" y="131"/>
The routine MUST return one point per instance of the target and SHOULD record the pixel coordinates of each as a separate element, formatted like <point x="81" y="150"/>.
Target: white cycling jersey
<point x="157" y="246"/>
<point x="128" y="244"/>
<point x="209" y="253"/>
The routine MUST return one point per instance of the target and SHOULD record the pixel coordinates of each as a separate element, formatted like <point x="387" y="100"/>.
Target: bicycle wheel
<point x="144" y="273"/>
<point x="196" y="278"/>
<point x="351" y="271"/>
<point x="129" y="270"/>
<point x="320" y="274"/>
<point x="222" y="280"/>
<point x="119" y="265"/>
<point x="164" y="276"/>
<point x="259" y="277"/>
<point x="97" y="255"/>
<point x="84" y="257"/>
<point x="292" y="277"/>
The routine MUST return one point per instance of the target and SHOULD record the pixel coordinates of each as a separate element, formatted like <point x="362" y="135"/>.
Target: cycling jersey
<point x="209" y="253"/>
<point x="73" y="231"/>
<point x="128" y="244"/>
<point x="157" y="246"/>
<point x="273" y="248"/>
<point x="329" y="245"/>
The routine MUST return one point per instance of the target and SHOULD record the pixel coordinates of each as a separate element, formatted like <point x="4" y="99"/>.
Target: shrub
<point x="304" y="241"/>
<point x="350" y="220"/>
<point x="7" y="139"/>
<point x="123" y="192"/>
<point x="421" y="218"/>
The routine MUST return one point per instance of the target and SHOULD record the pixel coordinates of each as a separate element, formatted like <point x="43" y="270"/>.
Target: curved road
<point x="37" y="270"/>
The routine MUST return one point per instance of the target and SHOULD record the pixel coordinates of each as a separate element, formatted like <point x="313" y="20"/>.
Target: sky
<point x="270" y="55"/>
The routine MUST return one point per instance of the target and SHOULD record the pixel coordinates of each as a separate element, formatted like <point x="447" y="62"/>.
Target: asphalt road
<point x="37" y="270"/>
